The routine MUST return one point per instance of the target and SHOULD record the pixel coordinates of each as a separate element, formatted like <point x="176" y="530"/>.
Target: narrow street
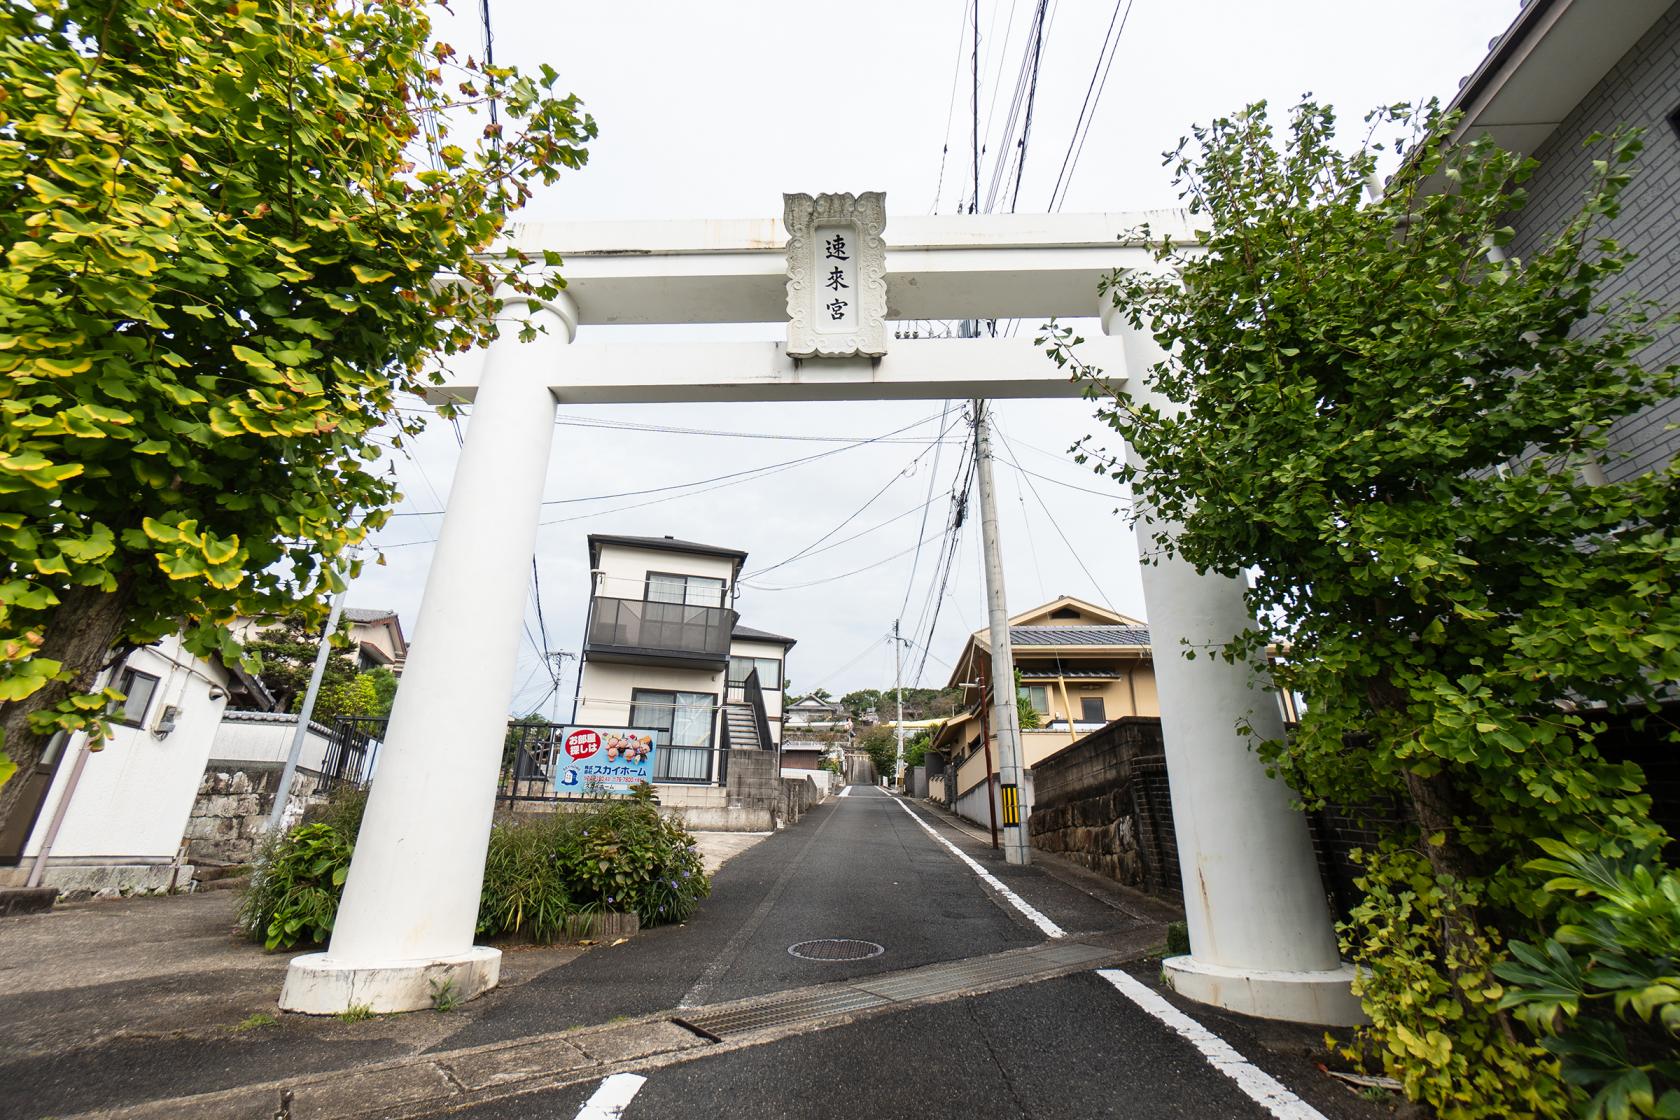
<point x="931" y="980"/>
<point x="978" y="1043"/>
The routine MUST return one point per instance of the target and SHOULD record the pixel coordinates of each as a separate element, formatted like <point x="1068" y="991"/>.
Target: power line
<point x="933" y="477"/>
<point x="1088" y="109"/>
<point x="731" y="479"/>
<point x="871" y="501"/>
<point x="670" y="429"/>
<point x="1121" y="499"/>
<point x="865" y="652"/>
<point x="1032" y="96"/>
<point x="842" y="575"/>
<point x="950" y="111"/>
<point x="1080" y="560"/>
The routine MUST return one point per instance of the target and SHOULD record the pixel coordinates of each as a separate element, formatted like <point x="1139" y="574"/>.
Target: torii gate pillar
<point x="1261" y="940"/>
<point x="405" y="926"/>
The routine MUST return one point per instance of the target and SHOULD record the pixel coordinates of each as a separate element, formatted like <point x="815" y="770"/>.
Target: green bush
<point x="1603" y="992"/>
<point x="525" y="888"/>
<point x="295" y="887"/>
<point x="543" y="876"/>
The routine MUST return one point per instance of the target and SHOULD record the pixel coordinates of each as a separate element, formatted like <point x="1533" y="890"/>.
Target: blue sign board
<point x="595" y="759"/>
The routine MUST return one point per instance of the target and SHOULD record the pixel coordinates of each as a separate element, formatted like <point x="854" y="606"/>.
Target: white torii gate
<point x="1261" y="939"/>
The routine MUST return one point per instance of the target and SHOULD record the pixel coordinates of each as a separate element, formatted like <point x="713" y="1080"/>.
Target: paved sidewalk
<point x="111" y="1001"/>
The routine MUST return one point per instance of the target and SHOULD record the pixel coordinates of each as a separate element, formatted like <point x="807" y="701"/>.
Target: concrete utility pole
<point x="898" y="691"/>
<point x="1005" y="716"/>
<point x="283" y="791"/>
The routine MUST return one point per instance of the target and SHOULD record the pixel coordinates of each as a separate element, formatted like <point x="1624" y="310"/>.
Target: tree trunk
<point x="84" y="627"/>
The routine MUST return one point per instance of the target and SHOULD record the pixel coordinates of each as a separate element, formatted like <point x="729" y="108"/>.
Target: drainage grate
<point x="836" y="949"/>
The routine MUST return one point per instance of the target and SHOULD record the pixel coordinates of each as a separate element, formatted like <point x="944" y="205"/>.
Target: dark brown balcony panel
<point x="674" y="634"/>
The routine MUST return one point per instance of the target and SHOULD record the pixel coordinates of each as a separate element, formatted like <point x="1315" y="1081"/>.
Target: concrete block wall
<point x="1642" y="90"/>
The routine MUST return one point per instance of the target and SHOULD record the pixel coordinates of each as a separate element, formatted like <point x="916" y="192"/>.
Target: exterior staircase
<point x="743" y="727"/>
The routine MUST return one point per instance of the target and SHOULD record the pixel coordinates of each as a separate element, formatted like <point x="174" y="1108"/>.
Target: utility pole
<point x="1005" y="716"/>
<point x="283" y="791"/>
<point x="558" y="659"/>
<point x="898" y="691"/>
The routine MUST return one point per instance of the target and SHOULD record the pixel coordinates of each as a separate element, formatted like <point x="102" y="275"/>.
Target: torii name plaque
<point x="836" y="275"/>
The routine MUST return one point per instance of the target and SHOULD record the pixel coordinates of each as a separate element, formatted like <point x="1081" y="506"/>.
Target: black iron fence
<point x="532" y="758"/>
<point x="352" y="752"/>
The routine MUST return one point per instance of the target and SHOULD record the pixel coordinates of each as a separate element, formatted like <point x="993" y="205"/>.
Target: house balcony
<point x="674" y="635"/>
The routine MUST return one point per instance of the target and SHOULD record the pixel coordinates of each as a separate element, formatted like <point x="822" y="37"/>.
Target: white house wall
<point x="605" y="695"/>
<point x="774" y="651"/>
<point x="623" y="571"/>
<point x="134" y="797"/>
<point x="262" y="737"/>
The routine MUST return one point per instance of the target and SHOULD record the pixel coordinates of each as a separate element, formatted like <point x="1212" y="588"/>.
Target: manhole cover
<point x="836" y="949"/>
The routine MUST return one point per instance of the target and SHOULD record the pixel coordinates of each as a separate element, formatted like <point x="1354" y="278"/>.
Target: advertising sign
<point x="594" y="759"/>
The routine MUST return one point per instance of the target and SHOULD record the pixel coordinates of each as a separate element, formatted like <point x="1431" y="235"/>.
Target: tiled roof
<point x="1078" y="636"/>
<point x="1036" y="671"/>
<point x="747" y="633"/>
<point x="368" y="614"/>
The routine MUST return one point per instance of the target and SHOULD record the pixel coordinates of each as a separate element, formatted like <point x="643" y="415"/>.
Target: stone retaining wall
<point x="1103" y="803"/>
<point x="230" y="816"/>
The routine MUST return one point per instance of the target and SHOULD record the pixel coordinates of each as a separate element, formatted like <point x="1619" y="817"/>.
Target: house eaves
<point x="1545" y="64"/>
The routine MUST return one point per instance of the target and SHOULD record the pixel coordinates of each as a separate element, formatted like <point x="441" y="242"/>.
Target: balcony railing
<point x="673" y="633"/>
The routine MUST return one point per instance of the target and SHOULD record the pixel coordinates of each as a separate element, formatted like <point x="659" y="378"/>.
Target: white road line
<point x="612" y="1098"/>
<point x="1251" y="1079"/>
<point x="1051" y="929"/>
<point x="845" y="791"/>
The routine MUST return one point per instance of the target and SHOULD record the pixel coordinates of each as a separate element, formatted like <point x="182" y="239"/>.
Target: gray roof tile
<point x="1078" y="636"/>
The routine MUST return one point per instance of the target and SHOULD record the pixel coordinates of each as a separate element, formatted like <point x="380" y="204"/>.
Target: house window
<point x="693" y="591"/>
<point x="683" y="721"/>
<point x="769" y="671"/>
<point x="1037" y="695"/>
<point x="1091" y="709"/>
<point x="139" y="688"/>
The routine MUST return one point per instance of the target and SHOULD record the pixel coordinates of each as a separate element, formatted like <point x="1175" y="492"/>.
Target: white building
<point x="114" y="818"/>
<point x="664" y="649"/>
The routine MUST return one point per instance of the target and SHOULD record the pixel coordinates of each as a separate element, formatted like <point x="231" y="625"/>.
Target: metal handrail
<point x="754" y="694"/>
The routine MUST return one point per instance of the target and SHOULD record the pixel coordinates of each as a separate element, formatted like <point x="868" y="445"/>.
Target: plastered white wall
<point x="134" y="797"/>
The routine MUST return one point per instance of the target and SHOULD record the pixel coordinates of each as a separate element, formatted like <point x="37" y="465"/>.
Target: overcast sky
<point x="714" y="110"/>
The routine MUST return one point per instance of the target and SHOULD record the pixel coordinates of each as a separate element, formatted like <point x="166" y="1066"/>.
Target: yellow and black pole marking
<point x="1011" y="806"/>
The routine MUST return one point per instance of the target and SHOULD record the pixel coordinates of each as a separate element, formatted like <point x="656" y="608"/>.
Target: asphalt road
<point x="861" y="867"/>
<point x="855" y="867"/>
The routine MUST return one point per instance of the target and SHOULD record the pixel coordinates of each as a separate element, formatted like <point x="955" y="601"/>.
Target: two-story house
<point x="664" y="649"/>
<point x="1080" y="667"/>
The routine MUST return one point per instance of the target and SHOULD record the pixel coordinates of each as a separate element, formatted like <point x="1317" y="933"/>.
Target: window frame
<point x="639" y="698"/>
<point x="1102" y="709"/>
<point x="688" y="580"/>
<point x="1026" y="693"/>
<point x="123" y="685"/>
<point x="776" y="661"/>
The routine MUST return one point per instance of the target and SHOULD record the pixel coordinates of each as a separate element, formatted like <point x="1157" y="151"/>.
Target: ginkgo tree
<point x="1383" y="410"/>
<point x="233" y="235"/>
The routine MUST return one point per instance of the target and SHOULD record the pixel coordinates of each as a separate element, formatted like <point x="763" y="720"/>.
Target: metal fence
<point x="532" y="756"/>
<point x="352" y="752"/>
